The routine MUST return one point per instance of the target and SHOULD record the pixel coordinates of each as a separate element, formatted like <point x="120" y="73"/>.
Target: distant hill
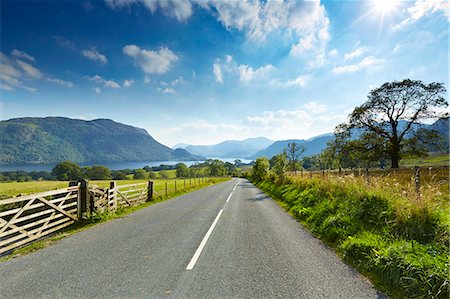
<point x="231" y="148"/>
<point x="442" y="126"/>
<point x="312" y="146"/>
<point x="180" y="145"/>
<point x="55" y="139"/>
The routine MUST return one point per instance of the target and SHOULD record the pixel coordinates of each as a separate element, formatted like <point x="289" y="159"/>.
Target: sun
<point x="385" y="6"/>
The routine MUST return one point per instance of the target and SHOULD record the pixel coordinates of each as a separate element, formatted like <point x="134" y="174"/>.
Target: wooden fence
<point x="25" y="219"/>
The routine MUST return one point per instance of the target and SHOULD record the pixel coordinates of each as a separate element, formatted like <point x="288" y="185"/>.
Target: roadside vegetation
<point x="391" y="225"/>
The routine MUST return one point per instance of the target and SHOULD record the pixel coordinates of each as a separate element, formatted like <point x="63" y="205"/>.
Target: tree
<point x="140" y="174"/>
<point x="278" y="164"/>
<point x="394" y="111"/>
<point x="99" y="172"/>
<point x="261" y="168"/>
<point x="182" y="170"/>
<point x="151" y="174"/>
<point x="67" y="171"/>
<point x="217" y="168"/>
<point x="293" y="152"/>
<point x="164" y="174"/>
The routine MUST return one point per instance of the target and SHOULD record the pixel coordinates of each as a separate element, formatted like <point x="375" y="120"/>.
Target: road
<point x="205" y="244"/>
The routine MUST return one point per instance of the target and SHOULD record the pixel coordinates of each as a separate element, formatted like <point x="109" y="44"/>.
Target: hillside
<point x="231" y="148"/>
<point x="55" y="139"/>
<point x="312" y="146"/>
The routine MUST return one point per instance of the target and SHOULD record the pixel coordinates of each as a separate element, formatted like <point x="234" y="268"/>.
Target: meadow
<point x="397" y="237"/>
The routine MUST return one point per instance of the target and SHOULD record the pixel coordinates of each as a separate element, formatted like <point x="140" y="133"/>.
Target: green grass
<point x="436" y="160"/>
<point x="12" y="189"/>
<point x="97" y="218"/>
<point x="400" y="243"/>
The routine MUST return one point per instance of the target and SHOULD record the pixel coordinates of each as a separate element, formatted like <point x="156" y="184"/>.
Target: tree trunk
<point x="395" y="159"/>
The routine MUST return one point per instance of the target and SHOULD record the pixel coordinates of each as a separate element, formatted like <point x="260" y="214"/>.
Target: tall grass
<point x="387" y="232"/>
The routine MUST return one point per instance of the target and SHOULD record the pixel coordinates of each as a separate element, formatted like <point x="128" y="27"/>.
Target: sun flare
<point x="385" y="6"/>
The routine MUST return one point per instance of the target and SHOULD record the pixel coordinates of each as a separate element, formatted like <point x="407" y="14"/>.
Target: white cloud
<point x="396" y="48"/>
<point x="15" y="72"/>
<point x="29" y="69"/>
<point x="106" y="83"/>
<point x="300" y="81"/>
<point x="23" y="55"/>
<point x="147" y="79"/>
<point x="97" y="90"/>
<point x="149" y="61"/>
<point x="181" y="10"/>
<point x="422" y="8"/>
<point x="217" y="70"/>
<point x="177" y="81"/>
<point x="94" y="55"/>
<point x="358" y="52"/>
<point x="128" y="83"/>
<point x="333" y="53"/>
<point x="60" y="82"/>
<point x="246" y="73"/>
<point x="367" y="63"/>
<point x="167" y="90"/>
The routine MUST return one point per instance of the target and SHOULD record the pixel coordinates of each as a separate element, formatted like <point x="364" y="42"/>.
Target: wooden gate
<point x="131" y="195"/>
<point x="27" y="218"/>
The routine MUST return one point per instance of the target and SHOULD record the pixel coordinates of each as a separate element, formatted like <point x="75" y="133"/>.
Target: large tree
<point x="293" y="152"/>
<point x="394" y="111"/>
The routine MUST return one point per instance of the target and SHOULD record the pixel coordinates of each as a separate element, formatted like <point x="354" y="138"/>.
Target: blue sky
<point x="201" y="72"/>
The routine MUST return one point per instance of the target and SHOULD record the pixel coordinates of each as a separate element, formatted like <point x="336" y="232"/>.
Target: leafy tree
<point x="278" y="164"/>
<point x="182" y="171"/>
<point x="293" y="152"/>
<point x="140" y="174"/>
<point x="217" y="168"/>
<point x="261" y="168"/>
<point x="164" y="174"/>
<point x="151" y="174"/>
<point x="408" y="100"/>
<point x="237" y="162"/>
<point x="119" y="175"/>
<point x="67" y="171"/>
<point x="99" y="172"/>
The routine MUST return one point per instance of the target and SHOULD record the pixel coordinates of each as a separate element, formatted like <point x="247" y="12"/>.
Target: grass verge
<point x="400" y="244"/>
<point x="97" y="218"/>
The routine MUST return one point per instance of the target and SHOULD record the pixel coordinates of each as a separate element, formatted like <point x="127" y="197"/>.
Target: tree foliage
<point x="278" y="165"/>
<point x="391" y="116"/>
<point x="182" y="171"/>
<point x="293" y="152"/>
<point x="67" y="170"/>
<point x="261" y="168"/>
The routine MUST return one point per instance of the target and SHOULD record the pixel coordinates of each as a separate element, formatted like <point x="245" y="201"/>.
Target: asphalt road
<point x="206" y="244"/>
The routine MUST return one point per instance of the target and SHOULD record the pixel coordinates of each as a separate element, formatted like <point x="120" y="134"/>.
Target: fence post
<point x="175" y="185"/>
<point x="113" y="186"/>
<point x="150" y="191"/>
<point x="83" y="197"/>
<point x="166" y="188"/>
<point x="367" y="176"/>
<point x="417" y="179"/>
<point x="323" y="174"/>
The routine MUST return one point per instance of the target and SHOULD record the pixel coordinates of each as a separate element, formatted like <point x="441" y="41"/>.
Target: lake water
<point x="112" y="165"/>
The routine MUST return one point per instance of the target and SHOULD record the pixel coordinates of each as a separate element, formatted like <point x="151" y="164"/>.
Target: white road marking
<point x="235" y="187"/>
<point x="229" y="196"/>
<point x="197" y="253"/>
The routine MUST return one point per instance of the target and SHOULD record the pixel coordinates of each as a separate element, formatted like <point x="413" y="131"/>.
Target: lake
<point x="111" y="165"/>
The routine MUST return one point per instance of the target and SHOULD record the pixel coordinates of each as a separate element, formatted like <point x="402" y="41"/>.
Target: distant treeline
<point x="71" y="171"/>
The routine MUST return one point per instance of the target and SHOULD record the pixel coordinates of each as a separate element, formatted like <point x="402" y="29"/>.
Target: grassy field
<point x="391" y="234"/>
<point x="436" y="160"/>
<point x="12" y="189"/>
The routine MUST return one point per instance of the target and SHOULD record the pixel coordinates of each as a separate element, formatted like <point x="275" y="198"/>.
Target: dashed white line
<point x="235" y="187"/>
<point x="197" y="253"/>
<point x="229" y="197"/>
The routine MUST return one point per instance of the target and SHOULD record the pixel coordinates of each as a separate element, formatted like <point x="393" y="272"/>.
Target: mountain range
<point x="54" y="139"/>
<point x="231" y="148"/>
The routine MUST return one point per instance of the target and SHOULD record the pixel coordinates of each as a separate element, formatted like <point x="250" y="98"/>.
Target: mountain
<point x="183" y="155"/>
<point x="442" y="127"/>
<point x="55" y="139"/>
<point x="312" y="146"/>
<point x="231" y="148"/>
<point x="180" y="145"/>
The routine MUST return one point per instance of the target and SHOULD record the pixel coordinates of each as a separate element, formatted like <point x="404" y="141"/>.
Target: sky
<point x="201" y="72"/>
